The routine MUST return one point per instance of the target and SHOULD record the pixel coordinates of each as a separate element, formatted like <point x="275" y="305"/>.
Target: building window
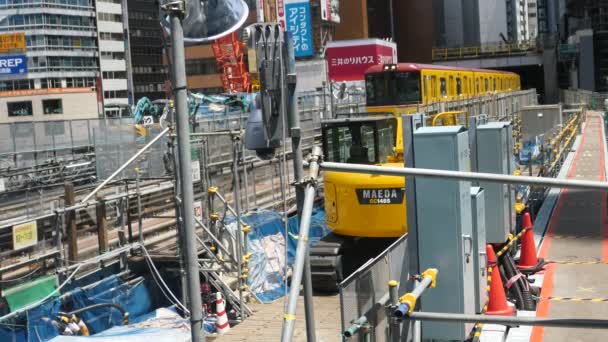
<point x="114" y="74"/>
<point x="112" y="55"/>
<point x="203" y="66"/>
<point x="110" y="36"/>
<point x="109" y="17"/>
<point x="52" y="106"/>
<point x="114" y="94"/>
<point x="46" y="83"/>
<point x="23" y="108"/>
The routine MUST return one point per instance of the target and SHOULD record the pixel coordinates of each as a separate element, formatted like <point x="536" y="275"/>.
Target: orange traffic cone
<point x="497" y="300"/>
<point x="527" y="258"/>
<point x="221" y="324"/>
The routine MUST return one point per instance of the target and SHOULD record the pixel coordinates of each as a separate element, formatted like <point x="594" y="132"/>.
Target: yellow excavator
<point x="366" y="213"/>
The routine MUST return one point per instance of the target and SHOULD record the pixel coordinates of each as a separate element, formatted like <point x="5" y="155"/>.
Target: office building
<point x="61" y="57"/>
<point x="411" y="27"/>
<point x="146" y="50"/>
<point x="112" y="60"/>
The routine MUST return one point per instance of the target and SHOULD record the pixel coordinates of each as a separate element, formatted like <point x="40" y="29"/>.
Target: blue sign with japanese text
<point x="299" y="24"/>
<point x="13" y="65"/>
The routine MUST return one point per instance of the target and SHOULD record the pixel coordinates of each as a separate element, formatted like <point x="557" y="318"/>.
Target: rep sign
<point x="347" y="60"/>
<point x="13" y="65"/>
<point x="299" y="25"/>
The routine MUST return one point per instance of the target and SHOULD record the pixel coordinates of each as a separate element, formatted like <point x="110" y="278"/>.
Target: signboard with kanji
<point x="25" y="235"/>
<point x="299" y="25"/>
<point x="349" y="59"/>
<point x="330" y="10"/>
<point x="12" y="42"/>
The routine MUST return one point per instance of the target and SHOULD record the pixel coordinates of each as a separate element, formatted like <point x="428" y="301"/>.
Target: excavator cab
<point x="368" y="140"/>
<point x="365" y="213"/>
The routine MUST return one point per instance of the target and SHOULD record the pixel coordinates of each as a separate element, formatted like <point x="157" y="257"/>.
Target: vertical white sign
<point x="324" y="10"/>
<point x="2" y="188"/>
<point x="198" y="210"/>
<point x="281" y="12"/>
<point x="196" y="171"/>
<point x="260" y="11"/>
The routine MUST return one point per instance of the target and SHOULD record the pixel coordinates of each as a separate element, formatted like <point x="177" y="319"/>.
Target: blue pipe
<point x="401" y="310"/>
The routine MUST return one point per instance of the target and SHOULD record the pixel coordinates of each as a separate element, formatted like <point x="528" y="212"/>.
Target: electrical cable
<point x="150" y="266"/>
<point x="520" y="289"/>
<point x="68" y="280"/>
<point x="155" y="270"/>
<point x="47" y="297"/>
<point x="21" y="277"/>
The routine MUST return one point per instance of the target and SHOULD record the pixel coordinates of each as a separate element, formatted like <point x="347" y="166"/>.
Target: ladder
<point x="229" y="54"/>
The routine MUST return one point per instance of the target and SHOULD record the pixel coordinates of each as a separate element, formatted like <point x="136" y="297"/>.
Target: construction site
<point x="404" y="202"/>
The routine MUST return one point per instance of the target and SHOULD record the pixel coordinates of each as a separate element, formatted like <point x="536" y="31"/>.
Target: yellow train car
<point x="366" y="212"/>
<point x="402" y="88"/>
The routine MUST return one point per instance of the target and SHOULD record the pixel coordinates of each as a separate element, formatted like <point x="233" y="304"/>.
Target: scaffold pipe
<point x="302" y="248"/>
<point x="465" y="176"/>
<point x="511" y="320"/>
<point x="125" y="165"/>
<point x="355" y="327"/>
<point x="408" y="300"/>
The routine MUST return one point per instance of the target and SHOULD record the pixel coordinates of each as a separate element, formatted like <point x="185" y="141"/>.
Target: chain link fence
<point x="361" y="291"/>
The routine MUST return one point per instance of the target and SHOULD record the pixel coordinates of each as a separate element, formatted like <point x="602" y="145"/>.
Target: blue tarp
<point x="39" y="326"/>
<point x="266" y="244"/>
<point x="134" y="299"/>
<point x="9" y="335"/>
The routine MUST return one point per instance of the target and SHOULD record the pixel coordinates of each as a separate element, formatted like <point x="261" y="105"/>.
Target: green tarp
<point x="22" y="295"/>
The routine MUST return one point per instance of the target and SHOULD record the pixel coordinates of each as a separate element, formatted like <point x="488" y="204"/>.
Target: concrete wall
<point x="414" y="30"/>
<point x="586" y="62"/>
<point x="81" y="105"/>
<point x="471" y="22"/>
<point x="353" y="21"/>
<point x="538" y="120"/>
<point x="454" y="32"/>
<point x="492" y="20"/>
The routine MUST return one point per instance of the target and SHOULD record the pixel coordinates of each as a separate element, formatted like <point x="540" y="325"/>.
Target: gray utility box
<point x="480" y="260"/>
<point x="445" y="239"/>
<point x="494" y="155"/>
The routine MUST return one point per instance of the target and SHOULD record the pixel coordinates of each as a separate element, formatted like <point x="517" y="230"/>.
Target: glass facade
<point x="60" y="37"/>
<point x="147" y="47"/>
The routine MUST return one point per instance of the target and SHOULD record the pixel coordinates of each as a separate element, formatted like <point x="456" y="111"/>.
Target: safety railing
<point x="366" y="291"/>
<point x="578" y="97"/>
<point x="484" y="51"/>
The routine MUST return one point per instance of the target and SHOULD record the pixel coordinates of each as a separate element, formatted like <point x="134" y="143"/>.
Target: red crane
<point x="229" y="53"/>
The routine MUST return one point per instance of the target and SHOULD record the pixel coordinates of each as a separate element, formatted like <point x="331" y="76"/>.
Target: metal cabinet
<point x="478" y="214"/>
<point x="494" y="151"/>
<point x="445" y="236"/>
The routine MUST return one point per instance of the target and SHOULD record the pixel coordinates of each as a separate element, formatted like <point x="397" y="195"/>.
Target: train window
<point x="477" y="85"/>
<point x="427" y="93"/>
<point x="486" y="85"/>
<point x="407" y="87"/>
<point x="392" y="88"/>
<point x="494" y="84"/>
<point x="434" y="86"/>
<point x="458" y="87"/>
<point x="443" y="86"/>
